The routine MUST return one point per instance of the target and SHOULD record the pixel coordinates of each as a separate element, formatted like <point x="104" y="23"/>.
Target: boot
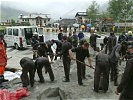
<point x="4" y="80"/>
<point x="1" y="78"/>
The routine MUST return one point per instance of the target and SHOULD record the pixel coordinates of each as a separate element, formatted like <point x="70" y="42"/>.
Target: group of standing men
<point x="107" y="63"/>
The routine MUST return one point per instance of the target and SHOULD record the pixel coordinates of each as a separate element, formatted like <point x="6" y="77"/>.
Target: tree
<point x="120" y="9"/>
<point x="13" y="23"/>
<point x="92" y="11"/>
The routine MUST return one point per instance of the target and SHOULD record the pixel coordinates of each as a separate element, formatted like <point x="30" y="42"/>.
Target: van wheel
<point x="16" y="46"/>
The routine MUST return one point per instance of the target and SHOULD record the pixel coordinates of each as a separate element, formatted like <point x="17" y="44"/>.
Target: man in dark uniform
<point x="105" y="41"/>
<point x="93" y="39"/>
<point x="49" y="49"/>
<point x="122" y="37"/>
<point x="81" y="52"/>
<point x="101" y="72"/>
<point x="42" y="50"/>
<point x="35" y="41"/>
<point x="58" y="48"/>
<point x="39" y="64"/>
<point x="60" y="35"/>
<point x="69" y="38"/>
<point x="112" y="39"/>
<point x="114" y="58"/>
<point x="74" y="39"/>
<point x="28" y="66"/>
<point x="66" y="59"/>
<point x="126" y="85"/>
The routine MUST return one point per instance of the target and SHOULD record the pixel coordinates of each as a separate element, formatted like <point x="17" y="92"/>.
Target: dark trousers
<point x="66" y="64"/>
<point x="25" y="78"/>
<point x="101" y="76"/>
<point x="80" y="72"/>
<point x="114" y="71"/>
<point x="93" y="46"/>
<point x="47" y="68"/>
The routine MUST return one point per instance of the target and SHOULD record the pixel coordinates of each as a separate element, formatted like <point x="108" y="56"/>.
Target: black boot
<point x="4" y="80"/>
<point x="1" y="78"/>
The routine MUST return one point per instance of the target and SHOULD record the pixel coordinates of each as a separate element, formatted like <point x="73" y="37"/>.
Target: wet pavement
<point x="71" y="89"/>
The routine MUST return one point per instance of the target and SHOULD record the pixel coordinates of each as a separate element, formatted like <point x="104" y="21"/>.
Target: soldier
<point x="93" y="39"/>
<point x="49" y="49"/>
<point x="122" y="37"/>
<point x="101" y="72"/>
<point x="126" y="85"/>
<point x="60" y="35"/>
<point x="42" y="50"/>
<point x="28" y="66"/>
<point x="74" y="39"/>
<point x="114" y="58"/>
<point x="112" y="39"/>
<point x="35" y="41"/>
<point x="66" y="59"/>
<point x="81" y="52"/>
<point x="58" y="48"/>
<point x="69" y="39"/>
<point x="39" y="64"/>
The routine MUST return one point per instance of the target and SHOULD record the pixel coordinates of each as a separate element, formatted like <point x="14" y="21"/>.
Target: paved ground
<point x="72" y="89"/>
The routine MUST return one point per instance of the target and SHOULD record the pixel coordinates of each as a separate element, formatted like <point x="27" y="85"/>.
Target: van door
<point x="16" y="38"/>
<point x="9" y="37"/>
<point x="22" y="35"/>
<point x="28" y="35"/>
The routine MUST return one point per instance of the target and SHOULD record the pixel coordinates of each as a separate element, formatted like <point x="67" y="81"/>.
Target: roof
<point x="32" y="16"/>
<point x="67" y="21"/>
<point x="81" y="14"/>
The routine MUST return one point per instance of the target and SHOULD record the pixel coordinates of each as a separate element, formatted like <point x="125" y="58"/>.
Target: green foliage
<point x="120" y="9"/>
<point x="13" y="22"/>
<point x="92" y="11"/>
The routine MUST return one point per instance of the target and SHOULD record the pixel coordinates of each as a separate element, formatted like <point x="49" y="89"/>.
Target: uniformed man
<point x="66" y="59"/>
<point x="93" y="41"/>
<point x="81" y="52"/>
<point x="58" y="48"/>
<point x="49" y="50"/>
<point x="28" y="66"/>
<point x="126" y="85"/>
<point x="42" y="50"/>
<point x="39" y="64"/>
<point x="35" y="41"/>
<point x="101" y="72"/>
<point x="112" y="39"/>
<point x="114" y="58"/>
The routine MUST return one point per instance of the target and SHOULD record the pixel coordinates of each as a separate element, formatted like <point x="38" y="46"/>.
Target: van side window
<point x="15" y="32"/>
<point x="9" y="31"/>
<point x="22" y="32"/>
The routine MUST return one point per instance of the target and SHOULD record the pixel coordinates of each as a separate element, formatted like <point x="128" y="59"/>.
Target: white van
<point x="19" y="36"/>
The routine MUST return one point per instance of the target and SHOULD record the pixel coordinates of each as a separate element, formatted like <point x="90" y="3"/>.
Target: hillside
<point x="10" y="13"/>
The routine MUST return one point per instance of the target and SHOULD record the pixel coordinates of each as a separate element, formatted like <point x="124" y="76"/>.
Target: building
<point x="35" y="19"/>
<point x="81" y="17"/>
<point x="67" y="22"/>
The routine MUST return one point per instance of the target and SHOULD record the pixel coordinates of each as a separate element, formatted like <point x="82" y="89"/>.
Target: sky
<point x="56" y="8"/>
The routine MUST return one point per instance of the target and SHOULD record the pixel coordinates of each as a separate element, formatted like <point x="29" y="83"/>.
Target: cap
<point x="130" y="46"/>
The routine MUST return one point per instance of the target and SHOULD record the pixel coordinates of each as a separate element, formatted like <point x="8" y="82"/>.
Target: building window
<point x="44" y="21"/>
<point x="22" y="19"/>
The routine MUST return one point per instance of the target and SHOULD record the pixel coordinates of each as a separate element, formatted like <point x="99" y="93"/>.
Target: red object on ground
<point x="16" y="95"/>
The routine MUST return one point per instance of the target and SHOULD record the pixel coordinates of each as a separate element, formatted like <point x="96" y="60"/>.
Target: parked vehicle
<point x="20" y="36"/>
